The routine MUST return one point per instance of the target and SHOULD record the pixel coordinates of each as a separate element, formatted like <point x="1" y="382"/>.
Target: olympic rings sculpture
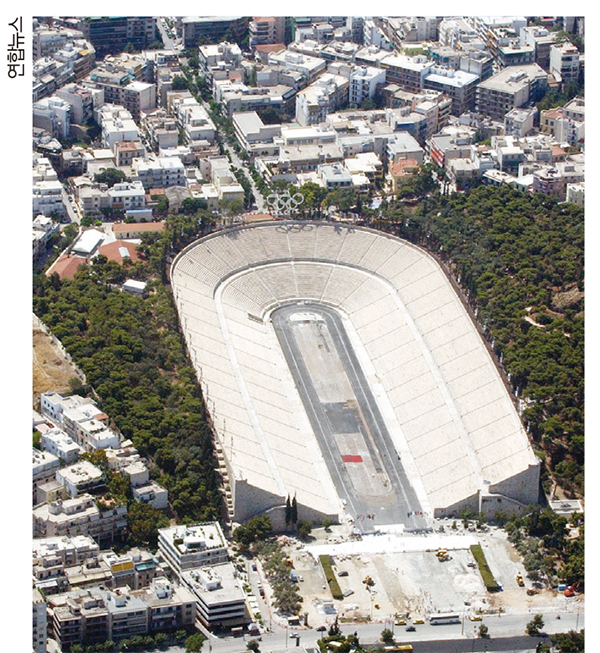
<point x="284" y="202"/>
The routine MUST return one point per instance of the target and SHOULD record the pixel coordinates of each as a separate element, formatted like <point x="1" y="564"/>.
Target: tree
<point x="294" y="511"/>
<point x="304" y="529"/>
<point x="571" y="642"/>
<point x="253" y="645"/>
<point x="534" y="627"/>
<point x="484" y="631"/>
<point x="194" y="643"/>
<point x="180" y="83"/>
<point x="387" y="636"/>
<point x="288" y="511"/>
<point x="110" y="177"/>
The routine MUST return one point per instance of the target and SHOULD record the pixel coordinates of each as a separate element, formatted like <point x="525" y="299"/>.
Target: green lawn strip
<point x="334" y="586"/>
<point x="486" y="575"/>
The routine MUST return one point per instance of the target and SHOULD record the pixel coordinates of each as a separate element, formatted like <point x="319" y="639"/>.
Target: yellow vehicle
<point x="520" y="582"/>
<point x="405" y="647"/>
<point x="400" y="622"/>
<point x="416" y="622"/>
<point x="475" y="617"/>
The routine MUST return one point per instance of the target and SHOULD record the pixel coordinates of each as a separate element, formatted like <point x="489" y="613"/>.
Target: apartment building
<point x="509" y="89"/>
<point x="458" y="85"/>
<point x="40" y="623"/>
<point x="159" y="172"/>
<point x="188" y="547"/>
<point x="49" y="75"/>
<point x="53" y="114"/>
<point x="254" y="137"/>
<point x="326" y="95"/>
<point x="60" y="444"/>
<point x="113" y="33"/>
<point x="44" y="468"/>
<point x="519" y="122"/>
<point x="86" y="425"/>
<point x="218" y="60"/>
<point x="197" y="125"/>
<point x="236" y="97"/>
<point x="407" y="72"/>
<point x="47" y="191"/>
<point x="564" y="62"/>
<point x="211" y="28"/>
<point x="43" y="229"/>
<point x="83" y="515"/>
<point x="82" y="477"/>
<point x="220" y="599"/>
<point x="363" y="83"/>
<point x="541" y="40"/>
<point x="266" y="29"/>
<point x="46" y="39"/>
<point x="94" y="615"/>
<point x="117" y="126"/>
<point x="83" y="101"/>
<point x="309" y="67"/>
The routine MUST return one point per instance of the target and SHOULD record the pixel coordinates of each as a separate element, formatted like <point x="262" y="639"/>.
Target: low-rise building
<point x="43" y="229"/>
<point x="188" y="547"/>
<point x="159" y="172"/>
<point x="83" y="477"/>
<point x="44" y="467"/>
<point x="59" y="443"/>
<point x="254" y="137"/>
<point x="519" y="122"/>
<point x="220" y="600"/>
<point x="334" y="175"/>
<point x="84" y="515"/>
<point x="576" y="193"/>
<point x="127" y="230"/>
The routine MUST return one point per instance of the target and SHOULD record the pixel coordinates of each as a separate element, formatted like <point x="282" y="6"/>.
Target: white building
<point x="363" y="83"/>
<point x="324" y="96"/>
<point x="60" y="444"/>
<point x="519" y="122"/>
<point x="153" y="493"/>
<point x="54" y="115"/>
<point x="84" y="515"/>
<point x="159" y="172"/>
<point x="564" y="62"/>
<point x="117" y="126"/>
<point x="127" y="196"/>
<point x="220" y="600"/>
<point x="309" y="67"/>
<point x="80" y="478"/>
<point x="188" y="547"/>
<point x="44" y="467"/>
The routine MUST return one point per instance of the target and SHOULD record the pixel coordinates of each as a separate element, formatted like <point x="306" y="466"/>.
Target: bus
<point x="441" y="619"/>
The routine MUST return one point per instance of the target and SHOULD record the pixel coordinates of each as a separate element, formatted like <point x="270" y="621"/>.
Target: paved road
<point x="238" y="163"/>
<point x="329" y="419"/>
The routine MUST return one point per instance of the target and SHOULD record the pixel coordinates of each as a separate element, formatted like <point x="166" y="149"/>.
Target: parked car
<point x="410" y="629"/>
<point x="321" y="629"/>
